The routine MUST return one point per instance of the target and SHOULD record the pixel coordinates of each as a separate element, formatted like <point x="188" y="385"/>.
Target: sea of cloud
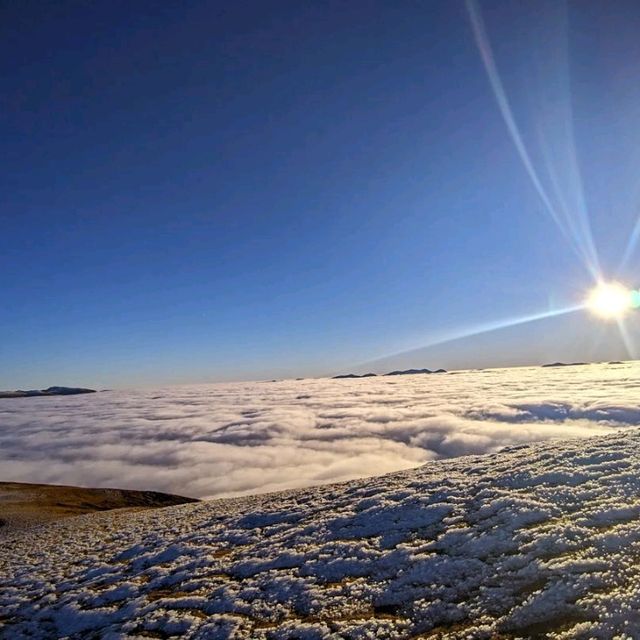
<point x="234" y="439"/>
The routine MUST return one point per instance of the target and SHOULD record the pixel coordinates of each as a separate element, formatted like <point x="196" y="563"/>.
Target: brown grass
<point x="23" y="505"/>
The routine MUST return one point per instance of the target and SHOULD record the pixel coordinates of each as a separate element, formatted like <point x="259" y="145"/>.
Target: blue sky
<point x="207" y="191"/>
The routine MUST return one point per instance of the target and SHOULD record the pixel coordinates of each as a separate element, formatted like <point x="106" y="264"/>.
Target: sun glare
<point x="610" y="300"/>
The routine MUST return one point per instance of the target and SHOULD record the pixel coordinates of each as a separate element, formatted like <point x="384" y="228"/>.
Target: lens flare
<point x="611" y="300"/>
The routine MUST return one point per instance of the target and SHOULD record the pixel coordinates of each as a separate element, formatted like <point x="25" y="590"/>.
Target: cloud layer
<point x="234" y="439"/>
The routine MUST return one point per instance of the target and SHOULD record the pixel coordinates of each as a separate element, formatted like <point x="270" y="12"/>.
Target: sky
<point x="206" y="191"/>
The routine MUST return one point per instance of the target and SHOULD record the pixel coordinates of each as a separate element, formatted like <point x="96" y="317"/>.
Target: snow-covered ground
<point x="238" y="439"/>
<point x="539" y="540"/>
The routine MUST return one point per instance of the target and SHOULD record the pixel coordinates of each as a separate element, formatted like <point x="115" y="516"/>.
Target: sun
<point x="610" y="300"/>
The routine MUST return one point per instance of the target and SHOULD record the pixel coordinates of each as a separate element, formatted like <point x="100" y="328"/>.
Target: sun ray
<point x="486" y="327"/>
<point x="632" y="244"/>
<point x="574" y="224"/>
<point x="626" y="339"/>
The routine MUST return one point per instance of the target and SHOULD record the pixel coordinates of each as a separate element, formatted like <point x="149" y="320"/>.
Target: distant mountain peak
<point x="50" y="391"/>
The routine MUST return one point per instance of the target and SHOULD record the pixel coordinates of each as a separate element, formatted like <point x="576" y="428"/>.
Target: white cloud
<point x="232" y="439"/>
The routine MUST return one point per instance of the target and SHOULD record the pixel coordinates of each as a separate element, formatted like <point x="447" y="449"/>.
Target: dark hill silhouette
<point x="51" y="391"/>
<point x="564" y="364"/>
<point x="354" y="375"/>
<point x="405" y="372"/>
<point x="411" y="372"/>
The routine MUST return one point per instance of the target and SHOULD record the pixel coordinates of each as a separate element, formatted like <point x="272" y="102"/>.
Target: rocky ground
<point x="535" y="541"/>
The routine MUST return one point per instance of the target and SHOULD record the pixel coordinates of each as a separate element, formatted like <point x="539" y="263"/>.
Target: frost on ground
<point x="539" y="540"/>
<point x="237" y="439"/>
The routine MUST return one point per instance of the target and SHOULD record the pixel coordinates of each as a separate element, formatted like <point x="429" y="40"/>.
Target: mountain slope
<point x="24" y="505"/>
<point x="535" y="541"/>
